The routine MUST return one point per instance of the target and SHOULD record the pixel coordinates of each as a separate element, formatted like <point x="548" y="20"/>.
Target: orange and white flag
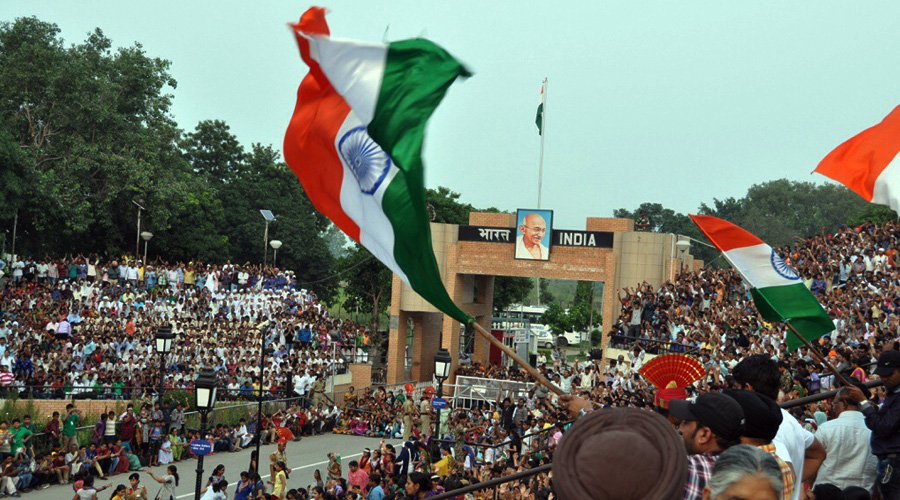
<point x="869" y="163"/>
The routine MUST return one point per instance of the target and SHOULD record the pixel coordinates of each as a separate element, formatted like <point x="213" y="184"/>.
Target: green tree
<point x="545" y="296"/>
<point x="95" y="130"/>
<point x="214" y="152"/>
<point x="446" y="207"/>
<point x="873" y="214"/>
<point x="509" y="290"/>
<point x="557" y="319"/>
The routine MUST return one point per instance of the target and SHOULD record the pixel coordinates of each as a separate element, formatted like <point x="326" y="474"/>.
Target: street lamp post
<point x="146" y="235"/>
<point x="164" y="338"/>
<point x="442" y="364"/>
<point x="275" y="244"/>
<point x="205" y="400"/>
<point x="269" y="217"/>
<point x="683" y="246"/>
<point x="262" y="364"/>
<point x="137" y="242"/>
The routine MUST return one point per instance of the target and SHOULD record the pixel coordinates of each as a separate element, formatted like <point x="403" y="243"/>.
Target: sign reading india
<point x="593" y="239"/>
<point x="561" y="237"/>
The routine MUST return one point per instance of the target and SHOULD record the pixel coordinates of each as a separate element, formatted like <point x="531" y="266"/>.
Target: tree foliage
<point x="577" y="318"/>
<point x="87" y="130"/>
<point x="777" y="211"/>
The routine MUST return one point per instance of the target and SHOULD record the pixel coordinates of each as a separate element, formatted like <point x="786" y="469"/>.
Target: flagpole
<point x="543" y="133"/>
<point x="816" y="354"/>
<point x="519" y="361"/>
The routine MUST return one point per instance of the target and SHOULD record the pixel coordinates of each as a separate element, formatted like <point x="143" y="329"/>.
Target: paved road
<point x="303" y="458"/>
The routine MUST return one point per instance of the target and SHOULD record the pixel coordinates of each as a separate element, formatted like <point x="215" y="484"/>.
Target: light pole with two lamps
<point x="164" y="338"/>
<point x="146" y="235"/>
<point x="442" y="364"/>
<point x="205" y="400"/>
<point x="275" y="244"/>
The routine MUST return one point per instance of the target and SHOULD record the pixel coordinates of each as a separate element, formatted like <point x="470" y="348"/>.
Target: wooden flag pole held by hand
<point x="519" y="361"/>
<point x="816" y="354"/>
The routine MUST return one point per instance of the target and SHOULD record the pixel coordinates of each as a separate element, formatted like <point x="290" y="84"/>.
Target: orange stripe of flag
<point x="723" y="234"/>
<point x="859" y="161"/>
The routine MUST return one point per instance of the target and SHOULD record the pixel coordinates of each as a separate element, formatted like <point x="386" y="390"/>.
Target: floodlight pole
<point x="137" y="241"/>
<point x="266" y="244"/>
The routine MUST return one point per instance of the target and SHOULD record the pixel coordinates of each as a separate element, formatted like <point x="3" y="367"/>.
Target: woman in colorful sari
<point x="177" y="444"/>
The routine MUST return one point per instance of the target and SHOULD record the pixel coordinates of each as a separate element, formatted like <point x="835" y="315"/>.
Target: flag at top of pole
<point x="777" y="290"/>
<point x="869" y="163"/>
<point x="355" y="143"/>
<point x="539" y="119"/>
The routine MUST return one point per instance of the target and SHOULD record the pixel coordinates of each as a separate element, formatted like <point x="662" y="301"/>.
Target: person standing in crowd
<point x="408" y="410"/>
<point x="847" y="441"/>
<point x="709" y="426"/>
<point x="793" y="444"/>
<point x="884" y="422"/>
<point x="70" y="426"/>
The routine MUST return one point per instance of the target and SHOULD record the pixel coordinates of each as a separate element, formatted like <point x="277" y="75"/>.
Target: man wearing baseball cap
<point x="709" y="425"/>
<point x="762" y="417"/>
<point x="884" y="423"/>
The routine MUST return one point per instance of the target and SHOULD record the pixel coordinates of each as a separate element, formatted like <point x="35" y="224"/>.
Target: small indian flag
<point x="777" y="290"/>
<point x="539" y="119"/>
<point x="355" y="143"/>
<point x="869" y="163"/>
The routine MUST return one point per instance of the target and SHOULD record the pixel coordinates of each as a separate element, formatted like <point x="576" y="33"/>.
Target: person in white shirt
<point x="793" y="444"/>
<point x="849" y="460"/>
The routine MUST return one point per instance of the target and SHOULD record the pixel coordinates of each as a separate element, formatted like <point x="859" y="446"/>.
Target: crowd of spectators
<point x="708" y="313"/>
<point x="81" y="328"/>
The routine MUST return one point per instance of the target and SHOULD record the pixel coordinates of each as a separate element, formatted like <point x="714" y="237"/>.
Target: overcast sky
<point x="674" y="102"/>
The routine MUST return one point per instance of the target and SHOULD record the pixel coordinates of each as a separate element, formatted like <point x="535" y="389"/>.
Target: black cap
<point x="887" y="362"/>
<point x="762" y="415"/>
<point x="722" y="414"/>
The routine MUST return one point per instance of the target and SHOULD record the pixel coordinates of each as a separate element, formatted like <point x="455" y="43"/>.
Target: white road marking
<point x="187" y="495"/>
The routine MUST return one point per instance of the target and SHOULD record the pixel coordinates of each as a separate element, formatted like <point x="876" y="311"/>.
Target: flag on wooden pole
<point x="355" y="143"/>
<point x="539" y="119"/>
<point x="777" y="290"/>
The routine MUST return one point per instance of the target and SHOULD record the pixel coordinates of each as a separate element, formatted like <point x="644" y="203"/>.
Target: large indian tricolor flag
<point x="355" y="143"/>
<point x="778" y="291"/>
<point x="869" y="163"/>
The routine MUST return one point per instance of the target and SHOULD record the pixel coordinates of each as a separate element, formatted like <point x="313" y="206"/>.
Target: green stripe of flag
<point x="796" y="305"/>
<point x="417" y="75"/>
<point x="539" y="119"/>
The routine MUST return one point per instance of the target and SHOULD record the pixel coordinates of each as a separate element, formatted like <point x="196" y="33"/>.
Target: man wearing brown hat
<point x="885" y="424"/>
<point x="762" y="417"/>
<point x="709" y="425"/>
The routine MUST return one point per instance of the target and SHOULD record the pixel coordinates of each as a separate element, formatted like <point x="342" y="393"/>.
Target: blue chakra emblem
<point x="365" y="158"/>
<point x="783" y="269"/>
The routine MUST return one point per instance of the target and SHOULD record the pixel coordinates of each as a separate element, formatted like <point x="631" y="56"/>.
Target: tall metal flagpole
<point x="543" y="132"/>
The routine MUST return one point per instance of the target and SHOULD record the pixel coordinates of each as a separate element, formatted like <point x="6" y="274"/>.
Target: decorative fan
<point x="671" y="373"/>
<point x="672" y="370"/>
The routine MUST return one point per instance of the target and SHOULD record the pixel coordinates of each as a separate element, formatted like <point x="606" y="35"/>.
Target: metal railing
<point x="495" y="484"/>
<point x="651" y="346"/>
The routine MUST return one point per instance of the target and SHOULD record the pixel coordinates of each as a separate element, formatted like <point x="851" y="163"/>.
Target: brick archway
<point x="468" y="269"/>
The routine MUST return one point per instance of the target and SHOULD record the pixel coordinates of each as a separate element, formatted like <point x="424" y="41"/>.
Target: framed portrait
<point x="534" y="234"/>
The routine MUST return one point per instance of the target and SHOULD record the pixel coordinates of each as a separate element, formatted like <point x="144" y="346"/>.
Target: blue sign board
<point x="201" y="448"/>
<point x="439" y="404"/>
